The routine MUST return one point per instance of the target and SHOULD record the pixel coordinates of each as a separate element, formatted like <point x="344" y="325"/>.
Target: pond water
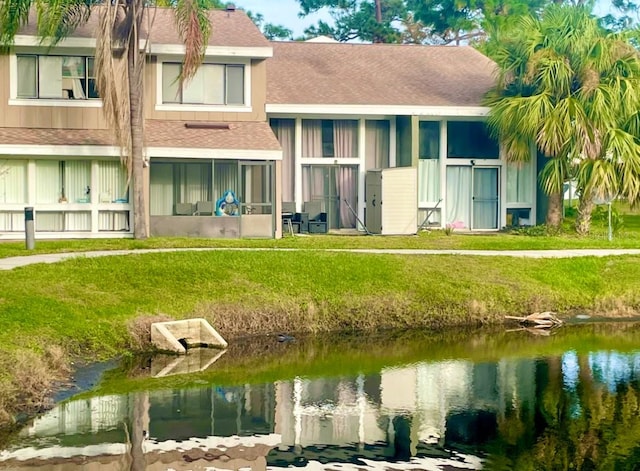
<point x="491" y="400"/>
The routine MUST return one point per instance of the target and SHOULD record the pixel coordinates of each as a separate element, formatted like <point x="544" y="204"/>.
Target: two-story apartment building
<point x="341" y="110"/>
<point x="261" y="123"/>
<point x="207" y="139"/>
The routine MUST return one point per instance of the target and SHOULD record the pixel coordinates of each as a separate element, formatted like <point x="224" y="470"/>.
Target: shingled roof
<point x="308" y="73"/>
<point x="227" y="136"/>
<point x="228" y="28"/>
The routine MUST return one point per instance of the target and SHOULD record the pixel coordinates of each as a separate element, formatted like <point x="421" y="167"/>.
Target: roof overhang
<point x="380" y="110"/>
<point x="150" y="152"/>
<point x="153" y="48"/>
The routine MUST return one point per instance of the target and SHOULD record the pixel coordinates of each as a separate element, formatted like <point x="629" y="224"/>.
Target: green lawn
<point x="84" y="307"/>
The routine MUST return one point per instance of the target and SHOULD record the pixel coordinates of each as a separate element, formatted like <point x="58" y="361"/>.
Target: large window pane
<point x="377" y="144"/>
<point x="429" y="140"/>
<point x="214" y="78"/>
<point x="170" y="83"/>
<point x="112" y="182"/>
<point x="193" y="90"/>
<point x="161" y="189"/>
<point x="520" y="183"/>
<point x="13" y="181"/>
<point x="470" y="140"/>
<point x="77" y="180"/>
<point x="50" y="76"/>
<point x="48" y="182"/>
<point x="27" y="71"/>
<point x="235" y="85"/>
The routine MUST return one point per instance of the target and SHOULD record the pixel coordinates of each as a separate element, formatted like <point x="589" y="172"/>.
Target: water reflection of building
<point x="409" y="413"/>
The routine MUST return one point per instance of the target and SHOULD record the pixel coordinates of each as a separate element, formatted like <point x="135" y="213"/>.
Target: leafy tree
<point x="271" y="31"/>
<point x="570" y="89"/>
<point x="119" y="61"/>
<point x="366" y="20"/>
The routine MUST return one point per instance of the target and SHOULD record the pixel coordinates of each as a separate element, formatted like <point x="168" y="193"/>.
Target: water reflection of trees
<point x="584" y="419"/>
<point x="577" y="411"/>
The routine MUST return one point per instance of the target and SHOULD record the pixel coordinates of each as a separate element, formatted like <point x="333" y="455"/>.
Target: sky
<point x="285" y="12"/>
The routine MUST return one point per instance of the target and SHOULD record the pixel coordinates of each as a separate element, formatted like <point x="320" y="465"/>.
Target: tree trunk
<point x="554" y="212"/>
<point x="585" y="209"/>
<point x="377" y="37"/>
<point x="136" y="68"/>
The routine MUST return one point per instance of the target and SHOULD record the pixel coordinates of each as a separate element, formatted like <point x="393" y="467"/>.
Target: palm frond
<point x="553" y="175"/>
<point x="13" y="15"/>
<point x="193" y="25"/>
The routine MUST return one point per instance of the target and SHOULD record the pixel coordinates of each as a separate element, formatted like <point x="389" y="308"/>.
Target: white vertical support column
<point x="443" y="173"/>
<point x="362" y="172"/>
<point x="31" y="182"/>
<point x="392" y="142"/>
<point x="297" y="152"/>
<point x="95" y="197"/>
<point x="502" y="198"/>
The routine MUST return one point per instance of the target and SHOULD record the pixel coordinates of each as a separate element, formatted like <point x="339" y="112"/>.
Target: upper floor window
<point x="57" y="77"/>
<point x="213" y="84"/>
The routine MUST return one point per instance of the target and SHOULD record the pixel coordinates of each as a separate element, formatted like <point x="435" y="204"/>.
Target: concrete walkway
<point x="14" y="262"/>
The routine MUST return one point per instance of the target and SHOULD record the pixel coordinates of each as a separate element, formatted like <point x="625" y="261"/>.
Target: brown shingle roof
<point x="239" y="136"/>
<point x="228" y="29"/>
<point x="377" y="74"/>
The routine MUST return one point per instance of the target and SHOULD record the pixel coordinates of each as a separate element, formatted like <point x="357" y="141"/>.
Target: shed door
<point x="373" y="195"/>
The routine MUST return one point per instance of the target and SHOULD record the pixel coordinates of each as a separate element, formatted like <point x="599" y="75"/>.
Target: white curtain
<point x="428" y="180"/>
<point x="459" y="196"/>
<point x="225" y="177"/>
<point x="347" y="190"/>
<point x="485" y="198"/>
<point x="195" y="183"/>
<point x="27" y="77"/>
<point x="112" y="182"/>
<point x="345" y="139"/>
<point x="377" y="144"/>
<point x="50" y="76"/>
<point x="313" y="187"/>
<point x="13" y="181"/>
<point x="285" y="132"/>
<point x="48" y="181"/>
<point x="73" y="73"/>
<point x="311" y="138"/>
<point x="77" y="180"/>
<point x="161" y="189"/>
<point x="520" y="183"/>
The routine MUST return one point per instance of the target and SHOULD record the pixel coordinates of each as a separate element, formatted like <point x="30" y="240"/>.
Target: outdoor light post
<point x="29" y="232"/>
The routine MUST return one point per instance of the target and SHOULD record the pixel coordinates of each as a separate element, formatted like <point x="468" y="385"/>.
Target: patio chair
<point x="317" y="219"/>
<point x="184" y="209"/>
<point x="204" y="208"/>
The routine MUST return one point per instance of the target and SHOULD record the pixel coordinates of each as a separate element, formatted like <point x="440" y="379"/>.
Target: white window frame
<point x="13" y="89"/>
<point x="246" y="108"/>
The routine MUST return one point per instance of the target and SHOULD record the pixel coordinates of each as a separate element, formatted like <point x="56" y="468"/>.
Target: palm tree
<point x="569" y="89"/>
<point x="119" y="62"/>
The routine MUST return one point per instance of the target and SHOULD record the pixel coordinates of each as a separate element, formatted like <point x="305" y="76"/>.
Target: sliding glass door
<point x="486" y="200"/>
<point x="473" y="200"/>
<point x="336" y="187"/>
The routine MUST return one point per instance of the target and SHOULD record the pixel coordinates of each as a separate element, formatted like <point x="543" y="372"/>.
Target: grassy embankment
<point x="86" y="307"/>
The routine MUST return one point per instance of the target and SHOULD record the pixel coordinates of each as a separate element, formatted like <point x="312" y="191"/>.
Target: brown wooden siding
<point x="43" y="116"/>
